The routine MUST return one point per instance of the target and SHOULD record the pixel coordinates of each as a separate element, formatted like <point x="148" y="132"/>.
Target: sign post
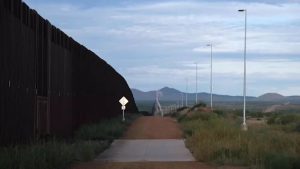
<point x="123" y="102"/>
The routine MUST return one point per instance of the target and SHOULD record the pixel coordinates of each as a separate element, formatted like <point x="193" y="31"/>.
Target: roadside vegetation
<point x="216" y="137"/>
<point x="87" y="143"/>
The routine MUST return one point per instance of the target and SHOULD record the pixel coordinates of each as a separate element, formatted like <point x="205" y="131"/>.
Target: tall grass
<point x="105" y="130"/>
<point x="50" y="155"/>
<point x="220" y="140"/>
<point x="88" y="142"/>
<point x="285" y="122"/>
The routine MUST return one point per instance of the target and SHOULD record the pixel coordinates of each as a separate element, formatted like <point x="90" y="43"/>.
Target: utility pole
<point x="211" y="104"/>
<point x="181" y="99"/>
<point x="186" y="92"/>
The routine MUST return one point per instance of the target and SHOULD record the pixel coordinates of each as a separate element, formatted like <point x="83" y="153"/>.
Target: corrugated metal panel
<point x="17" y="75"/>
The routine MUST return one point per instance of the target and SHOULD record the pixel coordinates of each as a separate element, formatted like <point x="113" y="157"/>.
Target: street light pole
<point x="186" y="92"/>
<point x="244" y="125"/>
<point x="181" y="99"/>
<point x="196" y="82"/>
<point x="211" y="104"/>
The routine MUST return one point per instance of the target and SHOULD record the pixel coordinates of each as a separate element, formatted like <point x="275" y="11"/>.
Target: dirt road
<point x="151" y="128"/>
<point x="154" y="128"/>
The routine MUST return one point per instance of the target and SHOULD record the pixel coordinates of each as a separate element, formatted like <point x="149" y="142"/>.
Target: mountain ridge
<point x="271" y="96"/>
<point x="171" y="94"/>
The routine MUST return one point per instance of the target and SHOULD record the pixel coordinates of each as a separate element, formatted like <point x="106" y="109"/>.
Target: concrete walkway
<point x="149" y="143"/>
<point x="146" y="150"/>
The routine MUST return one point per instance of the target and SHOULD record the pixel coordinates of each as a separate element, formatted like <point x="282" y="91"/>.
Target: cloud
<point x="183" y="23"/>
<point x="187" y="23"/>
<point x="262" y="76"/>
<point x="155" y="44"/>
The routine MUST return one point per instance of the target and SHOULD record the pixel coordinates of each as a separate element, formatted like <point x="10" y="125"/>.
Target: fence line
<point x="50" y="84"/>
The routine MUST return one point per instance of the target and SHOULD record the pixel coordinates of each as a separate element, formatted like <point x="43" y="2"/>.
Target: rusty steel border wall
<point x="50" y="84"/>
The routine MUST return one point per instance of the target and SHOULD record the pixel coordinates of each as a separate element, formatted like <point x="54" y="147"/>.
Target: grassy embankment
<point x="88" y="141"/>
<point x="217" y="138"/>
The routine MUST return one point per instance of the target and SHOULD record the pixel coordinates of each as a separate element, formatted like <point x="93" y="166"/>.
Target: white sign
<point x="123" y="101"/>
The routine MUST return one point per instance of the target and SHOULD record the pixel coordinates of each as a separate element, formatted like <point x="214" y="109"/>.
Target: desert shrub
<point x="237" y="113"/>
<point x="284" y="119"/>
<point x="297" y="128"/>
<point x="289" y="118"/>
<point x="272" y="119"/>
<point x="256" y="114"/>
<point x="285" y="122"/>
<point x="181" y="117"/>
<point x="182" y="108"/>
<point x="198" y="105"/>
<point x="213" y="140"/>
<point x="198" y="115"/>
<point x="220" y="140"/>
<point x="220" y="112"/>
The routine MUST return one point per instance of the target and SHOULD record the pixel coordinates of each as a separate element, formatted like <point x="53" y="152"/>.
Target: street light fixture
<point x="244" y="125"/>
<point x="211" y="104"/>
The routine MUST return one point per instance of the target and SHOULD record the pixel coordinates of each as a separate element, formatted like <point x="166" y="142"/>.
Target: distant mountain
<point x="293" y="98"/>
<point x="171" y="94"/>
<point x="166" y="93"/>
<point x="169" y="91"/>
<point x="140" y="95"/>
<point x="271" y="97"/>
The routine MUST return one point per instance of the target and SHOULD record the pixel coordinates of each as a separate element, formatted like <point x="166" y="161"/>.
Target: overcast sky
<point x="156" y="43"/>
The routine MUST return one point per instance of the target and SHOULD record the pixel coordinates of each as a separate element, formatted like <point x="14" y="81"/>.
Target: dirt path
<point x="154" y="128"/>
<point x="151" y="128"/>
